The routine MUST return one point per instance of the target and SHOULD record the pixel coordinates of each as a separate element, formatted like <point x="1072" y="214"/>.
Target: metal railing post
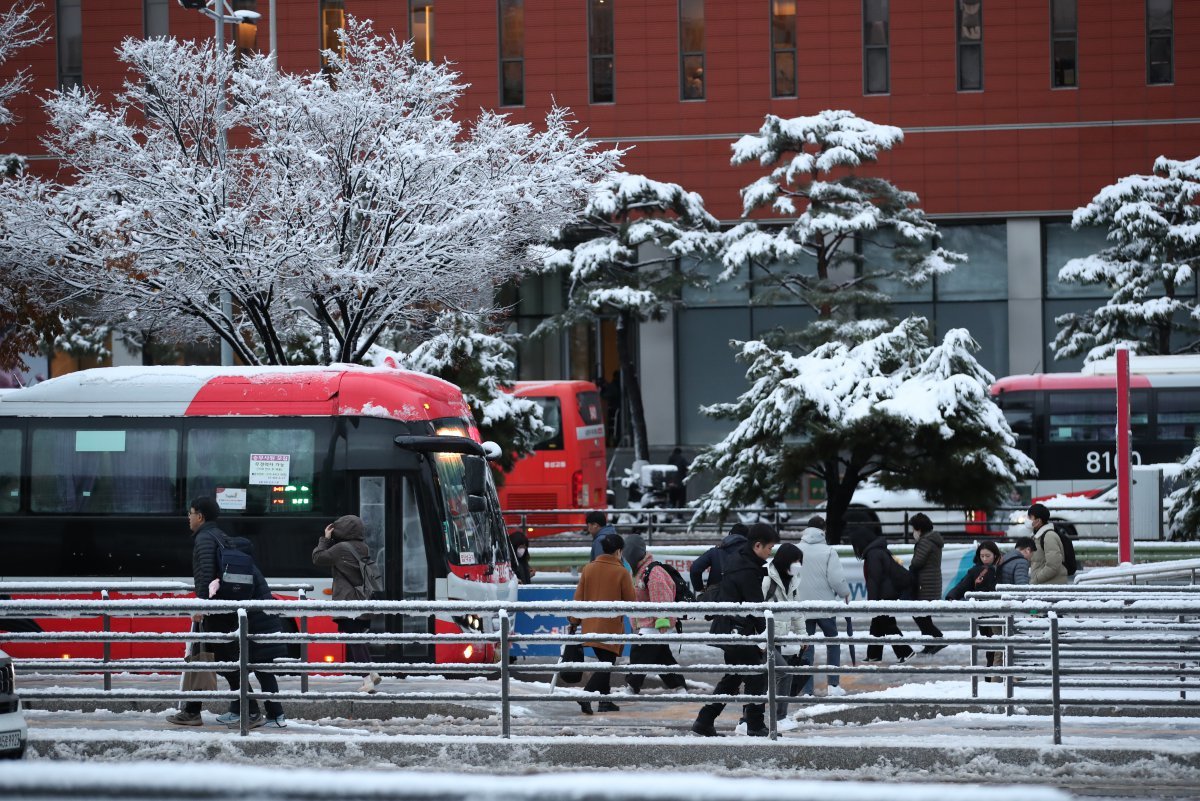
<point x="771" y="721"/>
<point x="303" y="596"/>
<point x="1010" y="655"/>
<point x="107" y="620"/>
<point x="505" y="630"/>
<point x="243" y="672"/>
<point x="974" y="659"/>
<point x="1055" y="688"/>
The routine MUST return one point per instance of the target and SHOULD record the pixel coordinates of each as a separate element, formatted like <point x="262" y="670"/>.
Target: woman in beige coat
<point x="604" y="579"/>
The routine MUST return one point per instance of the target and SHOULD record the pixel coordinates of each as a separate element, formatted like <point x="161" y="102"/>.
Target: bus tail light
<point x="468" y="652"/>
<point x="579" y="494"/>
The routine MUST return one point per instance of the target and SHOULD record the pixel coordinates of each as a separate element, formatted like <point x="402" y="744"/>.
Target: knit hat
<point x="635" y="550"/>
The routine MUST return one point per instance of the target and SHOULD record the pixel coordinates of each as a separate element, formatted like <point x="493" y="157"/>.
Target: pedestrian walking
<point x="741" y="582"/>
<point x="342" y="549"/>
<point x="780" y="585"/>
<point x="207" y="541"/>
<point x="821" y="578"/>
<point x="651" y="582"/>
<point x="711" y="559"/>
<point x="598" y="528"/>
<point x="926" y="568"/>
<point x="520" y="549"/>
<point x="676" y="488"/>
<point x="887" y="580"/>
<point x="981" y="577"/>
<point x="1046" y="564"/>
<point x="1014" y="565"/>
<point x="604" y="579"/>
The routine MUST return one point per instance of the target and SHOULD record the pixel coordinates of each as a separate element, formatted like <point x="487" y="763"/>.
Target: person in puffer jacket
<point x="781" y="584"/>
<point x="652" y="584"/>
<point x="821" y="579"/>
<point x="926" y="568"/>
<point x="339" y="550"/>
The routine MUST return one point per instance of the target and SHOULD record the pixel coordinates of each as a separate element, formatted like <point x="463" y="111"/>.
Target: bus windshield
<point x="472" y="537"/>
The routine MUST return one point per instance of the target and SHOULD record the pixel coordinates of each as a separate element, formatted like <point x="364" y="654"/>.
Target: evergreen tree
<point x="1154" y="249"/>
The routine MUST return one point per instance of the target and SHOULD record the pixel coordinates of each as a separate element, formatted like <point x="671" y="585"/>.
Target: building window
<point x="70" y="43"/>
<point x="420" y="28"/>
<point x="333" y="20"/>
<point x="512" y="52"/>
<point x="783" y="48"/>
<point x="691" y="49"/>
<point x="245" y="34"/>
<point x="970" y="45"/>
<point x="1160" y="45"/>
<point x="875" y="47"/>
<point x="600" y="50"/>
<point x="1064" y="42"/>
<point x="154" y="18"/>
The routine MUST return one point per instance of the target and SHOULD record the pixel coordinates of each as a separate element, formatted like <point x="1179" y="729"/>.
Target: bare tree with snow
<point x="627" y="265"/>
<point x="364" y="206"/>
<point x="811" y="255"/>
<point x="18" y="30"/>
<point x="893" y="408"/>
<point x="1153" y="224"/>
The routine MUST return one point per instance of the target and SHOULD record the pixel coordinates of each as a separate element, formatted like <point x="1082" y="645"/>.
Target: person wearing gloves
<point x="339" y="549"/>
<point x="781" y="584"/>
<point x="652" y="583"/>
<point x="821" y="578"/>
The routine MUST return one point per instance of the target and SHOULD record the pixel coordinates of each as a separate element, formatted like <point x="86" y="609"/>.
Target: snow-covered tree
<point x="811" y="256"/>
<point x="363" y="206"/>
<point x="18" y="29"/>
<point x="1184" y="511"/>
<point x="627" y="265"/>
<point x="1153" y="224"/>
<point x="462" y="350"/>
<point x="894" y="408"/>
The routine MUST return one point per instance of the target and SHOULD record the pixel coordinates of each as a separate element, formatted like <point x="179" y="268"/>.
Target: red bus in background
<point x="97" y="469"/>
<point x="569" y="468"/>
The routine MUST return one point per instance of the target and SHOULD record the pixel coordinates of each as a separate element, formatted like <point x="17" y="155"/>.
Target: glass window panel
<point x="693" y="78"/>
<point x="691" y="25"/>
<point x="552" y="419"/>
<point x="1062" y="16"/>
<point x="718" y="293"/>
<point x="783" y="23"/>
<point x="988" y="324"/>
<point x="420" y="28"/>
<point x="985" y="275"/>
<point x="877" y="257"/>
<point x="876" y="79"/>
<point x="333" y="19"/>
<point x="513" y="84"/>
<point x="600" y="28"/>
<point x="765" y="319"/>
<point x="69" y="16"/>
<point x="1050" y="310"/>
<point x="1178" y="414"/>
<point x="155" y="18"/>
<point x="1160" y="68"/>
<point x="1158" y="15"/>
<point x="970" y="20"/>
<point x="1018" y="408"/>
<point x="708" y="372"/>
<point x="784" y="74"/>
<point x="10" y="470"/>
<point x="512" y="28"/>
<point x="125" y="471"/>
<point x="602" y="80"/>
<point x="235" y="460"/>
<point x="1063" y="243"/>
<point x="875" y="22"/>
<point x="970" y="67"/>
<point x="245" y="34"/>
<point x="1064" y="62"/>
<point x="1092" y="416"/>
<point x="470" y="534"/>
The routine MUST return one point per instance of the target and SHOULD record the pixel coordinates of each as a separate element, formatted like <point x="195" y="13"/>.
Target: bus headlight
<point x="470" y="622"/>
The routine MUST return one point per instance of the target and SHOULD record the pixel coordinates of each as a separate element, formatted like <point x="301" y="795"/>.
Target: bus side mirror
<point x="492" y="451"/>
<point x="476" y="504"/>
<point x="474" y="476"/>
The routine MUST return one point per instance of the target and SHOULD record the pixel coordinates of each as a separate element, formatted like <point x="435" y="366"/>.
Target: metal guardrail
<point x="1178" y="569"/>
<point x="1037" y="644"/>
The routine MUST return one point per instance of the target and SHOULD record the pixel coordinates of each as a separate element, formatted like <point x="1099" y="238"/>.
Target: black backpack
<point x="683" y="590"/>
<point x="901" y="578"/>
<point x="372" y="578"/>
<point x="1068" y="549"/>
<point x="235" y="569"/>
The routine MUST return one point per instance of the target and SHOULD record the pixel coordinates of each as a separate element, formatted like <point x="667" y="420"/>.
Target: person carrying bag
<point x="197" y="680"/>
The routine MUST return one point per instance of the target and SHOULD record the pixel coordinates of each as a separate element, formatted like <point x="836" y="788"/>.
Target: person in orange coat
<point x="604" y="579"/>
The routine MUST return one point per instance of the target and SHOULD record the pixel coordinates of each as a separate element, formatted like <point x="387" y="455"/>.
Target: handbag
<point x="198" y="680"/>
<point x="571" y="652"/>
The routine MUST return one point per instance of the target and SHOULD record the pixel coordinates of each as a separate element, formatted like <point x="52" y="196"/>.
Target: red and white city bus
<point x="97" y="469"/>
<point x="568" y="469"/>
<point x="1067" y="422"/>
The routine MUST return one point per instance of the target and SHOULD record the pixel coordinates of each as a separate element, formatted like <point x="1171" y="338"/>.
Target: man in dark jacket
<point x="1014" y="567"/>
<point x="741" y="582"/>
<point x="598" y="528"/>
<point x="711" y="559"/>
<point x="207" y="540"/>
<point x="926" y="569"/>
<point x="882" y="578"/>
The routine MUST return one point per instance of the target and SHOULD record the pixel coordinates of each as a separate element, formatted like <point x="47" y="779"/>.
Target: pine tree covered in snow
<point x="627" y="266"/>
<point x="1184" y="511"/>
<point x="893" y="408"/>
<point x="364" y="206"/>
<point x="812" y="256"/>
<point x="462" y="351"/>
<point x="1153" y="224"/>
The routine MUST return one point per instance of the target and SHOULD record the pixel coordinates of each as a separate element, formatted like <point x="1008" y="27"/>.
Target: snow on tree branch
<point x="17" y="30"/>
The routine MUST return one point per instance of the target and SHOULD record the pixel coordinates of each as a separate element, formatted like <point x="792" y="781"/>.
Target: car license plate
<point x="10" y="740"/>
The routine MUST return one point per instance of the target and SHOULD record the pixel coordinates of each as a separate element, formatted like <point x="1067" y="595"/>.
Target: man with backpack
<point x="221" y="567"/>
<point x="711" y="560"/>
<point x="653" y="582"/>
<point x="343" y="550"/>
<point x="1047" y="563"/>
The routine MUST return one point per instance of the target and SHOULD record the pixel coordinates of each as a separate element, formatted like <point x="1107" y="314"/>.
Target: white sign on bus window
<point x="232" y="498"/>
<point x="270" y="468"/>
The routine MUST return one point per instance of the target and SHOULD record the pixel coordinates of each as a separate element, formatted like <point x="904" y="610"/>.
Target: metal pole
<point x="218" y="118"/>
<point x="771" y="722"/>
<point x="1055" y="688"/>
<point x="273" y="38"/>
<point x="1124" y="461"/>
<point x="107" y="645"/>
<point x="303" y="596"/>
<point x="1009" y="657"/>
<point x="974" y="659"/>
<point x="243" y="672"/>
<point x="505" y="630"/>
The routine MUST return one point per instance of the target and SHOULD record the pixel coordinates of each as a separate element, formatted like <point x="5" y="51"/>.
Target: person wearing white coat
<point x="780" y="585"/>
<point x="821" y="578"/>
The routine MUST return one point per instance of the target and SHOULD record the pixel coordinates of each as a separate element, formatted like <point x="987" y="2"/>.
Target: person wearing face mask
<point x="981" y="577"/>
<point x="782" y="584"/>
<point x="520" y="566"/>
<point x="821" y="579"/>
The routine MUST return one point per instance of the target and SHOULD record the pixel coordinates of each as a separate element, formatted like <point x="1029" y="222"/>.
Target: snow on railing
<point x="1159" y="570"/>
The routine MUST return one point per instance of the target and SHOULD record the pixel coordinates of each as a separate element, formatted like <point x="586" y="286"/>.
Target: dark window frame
<point x="427" y="46"/>
<point x="326" y="39"/>
<point x="869" y="49"/>
<point x="777" y="52"/>
<point x="67" y="80"/>
<point x="1154" y="35"/>
<point x="594" y="56"/>
<point x="509" y="61"/>
<point x="966" y="45"/>
<point x="1064" y="36"/>
<point x="684" y="55"/>
<point x="165" y="5"/>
